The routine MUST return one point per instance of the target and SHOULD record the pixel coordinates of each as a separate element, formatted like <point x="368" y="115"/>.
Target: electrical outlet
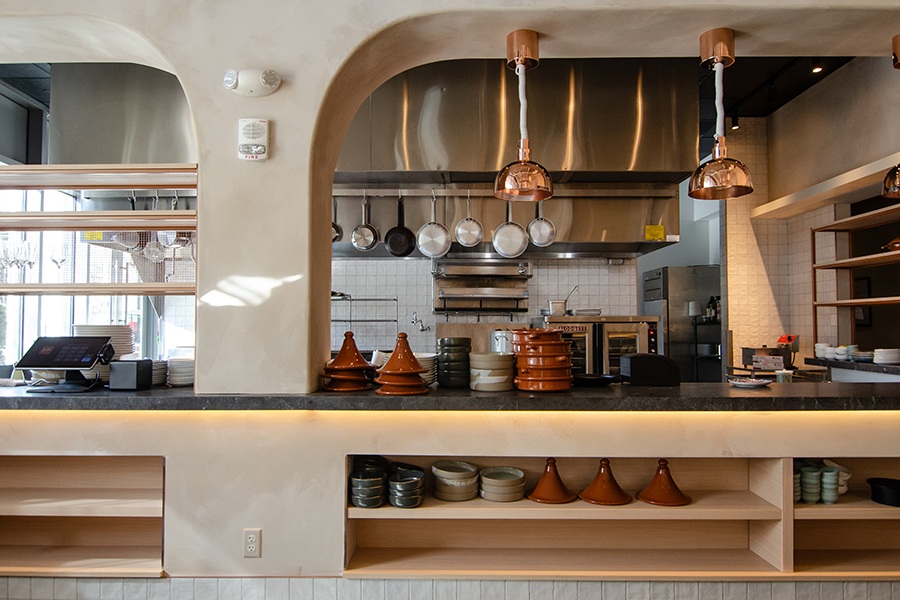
<point x="252" y="542"/>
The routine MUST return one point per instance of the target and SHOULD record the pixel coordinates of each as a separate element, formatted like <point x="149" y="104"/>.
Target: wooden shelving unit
<point x="875" y="218"/>
<point x="741" y="525"/>
<point x="79" y="516"/>
<point x="735" y="527"/>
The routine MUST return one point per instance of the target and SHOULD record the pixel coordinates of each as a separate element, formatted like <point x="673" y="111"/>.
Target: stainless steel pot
<point x="500" y="341"/>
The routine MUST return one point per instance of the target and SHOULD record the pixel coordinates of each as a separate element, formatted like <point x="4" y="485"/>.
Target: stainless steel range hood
<point x="616" y="134"/>
<point x="590" y="120"/>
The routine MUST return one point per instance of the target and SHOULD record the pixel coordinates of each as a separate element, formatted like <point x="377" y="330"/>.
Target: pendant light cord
<point x="719" y="70"/>
<point x="523" y="103"/>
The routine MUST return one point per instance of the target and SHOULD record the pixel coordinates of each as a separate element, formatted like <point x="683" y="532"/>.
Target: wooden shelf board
<point x="850" y="506"/>
<point x="540" y="563"/>
<point x="81" y="502"/>
<point x="738" y="505"/>
<point x="882" y="216"/>
<point x="868" y="260"/>
<point x="847" y="564"/>
<point x="860" y="301"/>
<point x="80" y="561"/>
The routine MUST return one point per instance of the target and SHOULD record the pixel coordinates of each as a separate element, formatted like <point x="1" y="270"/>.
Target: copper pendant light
<point x="523" y="179"/>
<point x="892" y="179"/>
<point x="721" y="177"/>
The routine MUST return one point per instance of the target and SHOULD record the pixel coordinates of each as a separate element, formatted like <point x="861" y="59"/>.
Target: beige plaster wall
<point x="284" y="471"/>
<point x="263" y="266"/>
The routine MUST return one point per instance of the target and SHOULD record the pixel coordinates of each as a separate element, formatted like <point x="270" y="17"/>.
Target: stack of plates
<point x="455" y="480"/>
<point x="120" y="336"/>
<point x="502" y="484"/>
<point x="428" y="360"/>
<point x="160" y="371"/>
<point x="181" y="371"/>
<point x="886" y="356"/>
<point x="861" y="356"/>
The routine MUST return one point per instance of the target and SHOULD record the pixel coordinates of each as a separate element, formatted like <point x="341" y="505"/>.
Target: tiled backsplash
<point x="281" y="588"/>
<point x="611" y="287"/>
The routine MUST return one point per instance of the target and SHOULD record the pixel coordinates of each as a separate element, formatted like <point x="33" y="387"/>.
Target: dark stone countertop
<point x="616" y="397"/>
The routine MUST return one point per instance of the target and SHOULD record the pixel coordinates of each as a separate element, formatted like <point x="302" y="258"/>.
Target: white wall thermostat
<point x="253" y="139"/>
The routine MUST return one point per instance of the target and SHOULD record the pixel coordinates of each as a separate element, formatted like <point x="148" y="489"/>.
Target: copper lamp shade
<point x="523" y="179"/>
<point x="720" y="177"/>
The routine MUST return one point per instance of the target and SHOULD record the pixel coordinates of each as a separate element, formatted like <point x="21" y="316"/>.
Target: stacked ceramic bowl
<point x="401" y="374"/>
<point x="453" y="362"/>
<point x="798" y="494"/>
<point x="180" y="371"/>
<point x="810" y="484"/>
<point x="406" y="489"/>
<point x="428" y="360"/>
<point x="502" y="484"/>
<point x="886" y="356"/>
<point x="367" y="488"/>
<point x="120" y="336"/>
<point x="821" y="350"/>
<point x="543" y="360"/>
<point x="349" y="371"/>
<point x="843" y="475"/>
<point x="829" y="483"/>
<point x="842" y="353"/>
<point x="492" y="371"/>
<point x="862" y="356"/>
<point x="455" y="480"/>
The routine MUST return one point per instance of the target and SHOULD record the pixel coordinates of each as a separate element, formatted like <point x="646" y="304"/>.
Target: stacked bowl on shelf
<point x="367" y="488"/>
<point x="886" y="356"/>
<point x="406" y="489"/>
<point x="455" y="480"/>
<point x="502" y="484"/>
<point x="453" y="362"/>
<point x="543" y="360"/>
<point x="180" y="371"/>
<point x="492" y="371"/>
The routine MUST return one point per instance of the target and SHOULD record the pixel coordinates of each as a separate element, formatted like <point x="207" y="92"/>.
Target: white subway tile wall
<point x="610" y="285"/>
<point x="284" y="588"/>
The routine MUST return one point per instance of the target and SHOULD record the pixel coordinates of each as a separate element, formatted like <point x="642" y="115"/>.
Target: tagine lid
<point x="550" y="489"/>
<point x="604" y="489"/>
<point x="349" y="356"/>
<point x="402" y="359"/>
<point x="662" y="489"/>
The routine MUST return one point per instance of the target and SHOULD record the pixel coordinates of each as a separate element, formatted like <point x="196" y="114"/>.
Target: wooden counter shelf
<point x="81" y="516"/>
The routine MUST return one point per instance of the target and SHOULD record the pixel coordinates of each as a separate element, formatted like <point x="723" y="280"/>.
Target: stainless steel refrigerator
<point x="694" y="344"/>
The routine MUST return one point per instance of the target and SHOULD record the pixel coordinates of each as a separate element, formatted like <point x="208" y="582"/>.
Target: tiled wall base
<point x="40" y="588"/>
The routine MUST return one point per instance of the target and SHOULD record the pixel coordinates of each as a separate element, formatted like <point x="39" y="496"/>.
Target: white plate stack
<point x="180" y="371"/>
<point x="120" y="336"/>
<point x="887" y="356"/>
<point x="160" y="372"/>
<point x="428" y="360"/>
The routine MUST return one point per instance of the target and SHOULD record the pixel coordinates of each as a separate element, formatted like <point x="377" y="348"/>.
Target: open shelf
<point x="846" y="564"/>
<point x="882" y="216"/>
<point x="869" y="260"/>
<point x="81" y="516"/>
<point x="555" y="563"/>
<point x="852" y="505"/>
<point x="706" y="504"/>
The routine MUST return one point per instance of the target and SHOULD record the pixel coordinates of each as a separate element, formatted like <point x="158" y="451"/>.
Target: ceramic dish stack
<point x="120" y="336"/>
<point x="886" y="356"/>
<point x="492" y="371"/>
<point x="821" y="350"/>
<point x="862" y="356"/>
<point x="401" y="374"/>
<point x="453" y="362"/>
<point x="349" y="371"/>
<point x="367" y="488"/>
<point x="160" y="372"/>
<point x="180" y="371"/>
<point x="455" y="480"/>
<point x="543" y="360"/>
<point x="406" y="489"/>
<point x="428" y="360"/>
<point x="502" y="484"/>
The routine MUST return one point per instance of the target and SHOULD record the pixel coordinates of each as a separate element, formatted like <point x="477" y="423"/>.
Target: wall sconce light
<point x="252" y="82"/>
<point x="735" y="123"/>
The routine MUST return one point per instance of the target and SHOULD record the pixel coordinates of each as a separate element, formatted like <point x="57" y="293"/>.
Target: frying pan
<point x="336" y="232"/>
<point x="510" y="239"/>
<point x="541" y="231"/>
<point x="364" y="236"/>
<point x="469" y="231"/>
<point x="433" y="239"/>
<point x="399" y="240"/>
